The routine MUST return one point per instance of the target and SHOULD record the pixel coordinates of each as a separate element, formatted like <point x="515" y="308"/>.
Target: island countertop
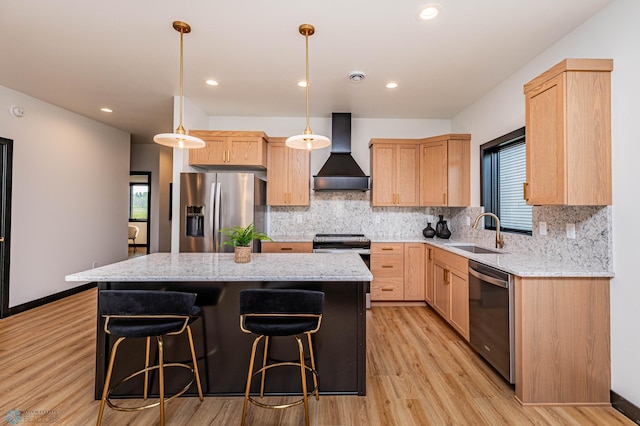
<point x="221" y="267"/>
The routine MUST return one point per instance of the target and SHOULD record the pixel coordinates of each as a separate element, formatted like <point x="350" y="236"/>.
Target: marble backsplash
<point x="351" y="212"/>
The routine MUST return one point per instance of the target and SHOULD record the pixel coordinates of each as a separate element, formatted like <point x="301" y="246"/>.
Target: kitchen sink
<point x="472" y="248"/>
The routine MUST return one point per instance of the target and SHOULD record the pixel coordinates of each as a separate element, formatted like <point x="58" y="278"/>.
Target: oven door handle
<point x="342" y="251"/>
<point x="489" y="279"/>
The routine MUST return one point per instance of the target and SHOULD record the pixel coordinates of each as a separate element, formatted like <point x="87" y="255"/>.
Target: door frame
<point x="148" y="221"/>
<point x="6" y="173"/>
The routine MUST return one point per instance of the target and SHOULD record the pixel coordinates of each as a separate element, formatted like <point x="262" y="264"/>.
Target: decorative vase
<point x="242" y="254"/>
<point x="429" y="232"/>
<point x="442" y="231"/>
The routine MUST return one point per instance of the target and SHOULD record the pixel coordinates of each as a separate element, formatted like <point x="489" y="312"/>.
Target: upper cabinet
<point x="444" y="170"/>
<point x="225" y="148"/>
<point x="568" y="131"/>
<point x="395" y="172"/>
<point x="287" y="174"/>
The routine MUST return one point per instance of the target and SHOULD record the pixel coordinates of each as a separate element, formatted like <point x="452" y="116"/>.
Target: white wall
<point x="612" y="33"/>
<point x="69" y="204"/>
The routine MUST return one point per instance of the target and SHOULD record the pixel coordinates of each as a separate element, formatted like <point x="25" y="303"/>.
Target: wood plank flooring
<point x="419" y="372"/>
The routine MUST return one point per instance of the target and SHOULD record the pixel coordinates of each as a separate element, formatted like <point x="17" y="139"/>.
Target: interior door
<point x="6" y="158"/>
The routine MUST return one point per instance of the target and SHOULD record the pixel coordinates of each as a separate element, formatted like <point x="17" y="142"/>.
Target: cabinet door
<point x="408" y="175"/>
<point x="458" y="172"/>
<point x="214" y="152"/>
<point x="383" y="173"/>
<point x="433" y="174"/>
<point x="414" y="271"/>
<point x="441" y="294"/>
<point x="245" y="151"/>
<point x="277" y="174"/>
<point x="429" y="276"/>
<point x="545" y="147"/>
<point x="459" y="318"/>
<point x="298" y="177"/>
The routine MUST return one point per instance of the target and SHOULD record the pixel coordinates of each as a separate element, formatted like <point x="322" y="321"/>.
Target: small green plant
<point x="242" y="237"/>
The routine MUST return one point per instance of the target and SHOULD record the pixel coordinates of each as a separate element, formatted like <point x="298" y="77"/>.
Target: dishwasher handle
<point x="489" y="279"/>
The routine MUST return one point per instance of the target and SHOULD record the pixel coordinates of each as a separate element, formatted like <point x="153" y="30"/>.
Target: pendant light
<point x="307" y="140"/>
<point x="179" y="139"/>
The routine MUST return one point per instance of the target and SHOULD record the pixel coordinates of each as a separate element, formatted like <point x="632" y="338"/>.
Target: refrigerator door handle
<point x="215" y="216"/>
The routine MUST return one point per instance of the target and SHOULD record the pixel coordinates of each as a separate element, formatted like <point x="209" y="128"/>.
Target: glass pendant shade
<point x="307" y="140"/>
<point x="180" y="139"/>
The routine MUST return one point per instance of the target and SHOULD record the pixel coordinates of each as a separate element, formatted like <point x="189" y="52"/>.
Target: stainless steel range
<point x="345" y="243"/>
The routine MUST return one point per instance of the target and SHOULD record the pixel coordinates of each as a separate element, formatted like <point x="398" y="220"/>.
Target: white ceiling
<point x="85" y="54"/>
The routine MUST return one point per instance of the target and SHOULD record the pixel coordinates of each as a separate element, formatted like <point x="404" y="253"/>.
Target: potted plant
<point x="241" y="238"/>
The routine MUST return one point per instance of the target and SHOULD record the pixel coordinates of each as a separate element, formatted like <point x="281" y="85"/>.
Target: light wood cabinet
<point x="227" y="148"/>
<point x="445" y="170"/>
<point x="451" y="289"/>
<point x="395" y="172"/>
<point x="562" y="335"/>
<point x="568" y="140"/>
<point x="287" y="174"/>
<point x="286" y="247"/>
<point x="398" y="271"/>
<point x="428" y="277"/>
<point x="414" y="271"/>
<point x="387" y="268"/>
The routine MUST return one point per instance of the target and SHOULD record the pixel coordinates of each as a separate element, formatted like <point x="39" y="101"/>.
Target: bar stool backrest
<point x="281" y="301"/>
<point x="145" y="302"/>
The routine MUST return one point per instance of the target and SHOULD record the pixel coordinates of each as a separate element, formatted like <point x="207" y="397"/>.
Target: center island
<point x="222" y="349"/>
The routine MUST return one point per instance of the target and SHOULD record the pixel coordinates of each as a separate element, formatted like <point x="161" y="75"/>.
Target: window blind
<point x="514" y="211"/>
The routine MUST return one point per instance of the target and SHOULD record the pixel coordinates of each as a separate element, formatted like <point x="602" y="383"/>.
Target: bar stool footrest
<point x="292" y="404"/>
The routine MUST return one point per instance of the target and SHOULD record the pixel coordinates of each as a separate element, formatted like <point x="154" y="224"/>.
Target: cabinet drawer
<point x="384" y="265"/>
<point x="387" y="289"/>
<point x="387" y="248"/>
<point x="453" y="261"/>
<point x="283" y="247"/>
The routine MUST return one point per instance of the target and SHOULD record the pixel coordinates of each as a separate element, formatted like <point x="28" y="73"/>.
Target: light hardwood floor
<point x="419" y="372"/>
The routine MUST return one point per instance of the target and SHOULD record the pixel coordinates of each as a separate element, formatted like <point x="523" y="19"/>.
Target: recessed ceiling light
<point x="392" y="85"/>
<point x="105" y="109"/>
<point x="302" y="83"/>
<point x="429" y="11"/>
<point x="211" y="82"/>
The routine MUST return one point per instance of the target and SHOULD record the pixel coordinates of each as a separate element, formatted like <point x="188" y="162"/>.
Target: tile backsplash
<point x="351" y="212"/>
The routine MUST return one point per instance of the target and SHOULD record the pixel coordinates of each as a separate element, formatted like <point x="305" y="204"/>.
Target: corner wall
<point x="69" y="204"/>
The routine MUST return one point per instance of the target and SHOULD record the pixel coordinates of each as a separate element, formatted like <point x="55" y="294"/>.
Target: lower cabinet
<point x="448" y="279"/>
<point x="286" y="247"/>
<point x="398" y="271"/>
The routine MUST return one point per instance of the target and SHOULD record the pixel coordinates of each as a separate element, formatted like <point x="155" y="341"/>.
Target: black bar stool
<point x="147" y="313"/>
<point x="283" y="312"/>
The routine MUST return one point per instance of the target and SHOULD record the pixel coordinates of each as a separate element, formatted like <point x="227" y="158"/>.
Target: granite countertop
<point x="221" y="267"/>
<point x="524" y="265"/>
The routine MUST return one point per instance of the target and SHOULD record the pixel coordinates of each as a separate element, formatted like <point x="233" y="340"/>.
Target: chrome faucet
<point x="499" y="238"/>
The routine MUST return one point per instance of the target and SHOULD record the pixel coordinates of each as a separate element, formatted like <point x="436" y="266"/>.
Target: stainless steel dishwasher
<point x="491" y="317"/>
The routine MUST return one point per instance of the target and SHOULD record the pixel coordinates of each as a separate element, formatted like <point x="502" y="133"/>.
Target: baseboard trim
<point x="48" y="299"/>
<point x="625" y="407"/>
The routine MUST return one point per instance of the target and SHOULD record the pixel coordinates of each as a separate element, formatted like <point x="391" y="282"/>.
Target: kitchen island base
<point x="223" y="350"/>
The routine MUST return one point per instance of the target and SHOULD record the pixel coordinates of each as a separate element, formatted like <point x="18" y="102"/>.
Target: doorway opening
<point x="139" y="213"/>
<point x="6" y="169"/>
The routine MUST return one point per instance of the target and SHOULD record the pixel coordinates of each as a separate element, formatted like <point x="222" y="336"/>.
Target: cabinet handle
<point x="445" y="276"/>
<point x="285" y="198"/>
<point x="228" y="156"/>
<point x="398" y="199"/>
<point x="387" y="248"/>
<point x="289" y="198"/>
<point x="429" y="254"/>
<point x="524" y="191"/>
<point x="387" y="266"/>
<point x="387" y="289"/>
<point x="444" y="198"/>
<point x="286" y="248"/>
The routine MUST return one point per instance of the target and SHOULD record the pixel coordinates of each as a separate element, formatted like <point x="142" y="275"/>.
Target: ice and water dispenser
<point x="195" y="221"/>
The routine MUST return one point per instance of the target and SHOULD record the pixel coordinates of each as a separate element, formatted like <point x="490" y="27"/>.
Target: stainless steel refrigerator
<point x="213" y="201"/>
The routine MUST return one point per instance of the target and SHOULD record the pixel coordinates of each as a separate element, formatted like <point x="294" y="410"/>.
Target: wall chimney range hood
<point x="341" y="172"/>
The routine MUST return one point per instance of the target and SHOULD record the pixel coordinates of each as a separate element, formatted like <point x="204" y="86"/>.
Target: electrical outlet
<point x="571" y="230"/>
<point x="299" y="218"/>
<point x="542" y="227"/>
<point x="377" y="219"/>
<point x="94" y="264"/>
<point x="468" y="221"/>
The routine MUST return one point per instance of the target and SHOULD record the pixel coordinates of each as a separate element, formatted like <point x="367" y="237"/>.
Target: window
<point x="138" y="197"/>
<point x="503" y="171"/>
